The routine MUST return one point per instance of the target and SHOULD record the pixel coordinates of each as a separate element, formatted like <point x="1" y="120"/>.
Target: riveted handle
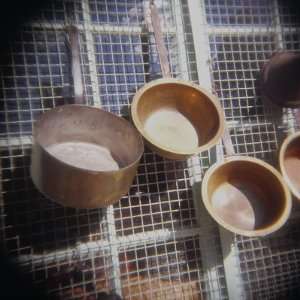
<point x="73" y="36"/>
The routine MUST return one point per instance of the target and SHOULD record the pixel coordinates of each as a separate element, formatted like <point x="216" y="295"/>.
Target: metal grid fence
<point x="158" y="237"/>
<point x="242" y="36"/>
<point x="75" y="253"/>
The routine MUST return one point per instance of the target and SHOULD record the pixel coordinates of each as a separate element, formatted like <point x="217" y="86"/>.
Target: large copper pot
<point x="83" y="156"/>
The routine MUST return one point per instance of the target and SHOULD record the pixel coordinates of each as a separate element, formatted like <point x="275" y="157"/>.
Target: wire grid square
<point x="160" y="198"/>
<point x="166" y="270"/>
<point x="238" y="13"/>
<point x="124" y="63"/>
<point x="59" y="12"/>
<point x="34" y="224"/>
<point x="289" y="13"/>
<point x="291" y="41"/>
<point x="236" y="65"/>
<point x="189" y="42"/>
<point x="270" y="266"/>
<point x="128" y="13"/>
<point x="35" y="77"/>
<point x="73" y="276"/>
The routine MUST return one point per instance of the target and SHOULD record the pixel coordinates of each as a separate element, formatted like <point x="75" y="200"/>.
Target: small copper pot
<point x="246" y="196"/>
<point x="177" y="119"/>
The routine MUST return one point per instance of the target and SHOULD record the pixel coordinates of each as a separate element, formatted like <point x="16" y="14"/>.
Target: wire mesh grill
<point x="270" y="267"/>
<point x="238" y="13"/>
<point x="168" y="270"/>
<point x="151" y="244"/>
<point x="35" y="76"/>
<point x="74" y="275"/>
<point x="117" y="57"/>
<point x="160" y="198"/>
<point x="237" y="61"/>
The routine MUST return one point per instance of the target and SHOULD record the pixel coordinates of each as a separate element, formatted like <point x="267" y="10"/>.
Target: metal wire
<point x="73" y="253"/>
<point x="242" y="37"/>
<point x="156" y="241"/>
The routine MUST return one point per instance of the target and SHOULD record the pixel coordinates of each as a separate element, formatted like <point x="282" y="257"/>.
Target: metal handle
<point x="159" y="41"/>
<point x="227" y="142"/>
<point x="73" y="34"/>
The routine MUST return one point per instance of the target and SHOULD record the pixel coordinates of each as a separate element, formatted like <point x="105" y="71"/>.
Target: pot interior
<point x="246" y="195"/>
<point x="291" y="163"/>
<point x="177" y="117"/>
<point x="89" y="138"/>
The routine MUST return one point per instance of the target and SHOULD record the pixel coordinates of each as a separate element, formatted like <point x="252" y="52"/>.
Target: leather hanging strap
<point x="159" y="41"/>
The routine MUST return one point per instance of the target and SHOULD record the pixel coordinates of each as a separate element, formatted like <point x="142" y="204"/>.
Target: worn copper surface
<point x="246" y="196"/>
<point x="177" y="118"/>
<point x="80" y="185"/>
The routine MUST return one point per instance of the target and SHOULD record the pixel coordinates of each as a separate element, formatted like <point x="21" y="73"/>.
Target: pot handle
<point x="227" y="142"/>
<point x="73" y="37"/>
<point x="159" y="41"/>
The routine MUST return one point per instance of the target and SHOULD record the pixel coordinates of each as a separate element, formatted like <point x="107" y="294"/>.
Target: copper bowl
<point x="246" y="196"/>
<point x="84" y="157"/>
<point x="289" y="161"/>
<point x="177" y="119"/>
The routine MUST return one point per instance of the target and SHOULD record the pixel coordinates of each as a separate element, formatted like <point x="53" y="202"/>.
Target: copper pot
<point x="177" y="119"/>
<point x="289" y="162"/>
<point x="83" y="156"/>
<point x="246" y="196"/>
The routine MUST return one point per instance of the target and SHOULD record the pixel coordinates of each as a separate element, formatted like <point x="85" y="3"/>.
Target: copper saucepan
<point x="83" y="156"/>
<point x="177" y="118"/>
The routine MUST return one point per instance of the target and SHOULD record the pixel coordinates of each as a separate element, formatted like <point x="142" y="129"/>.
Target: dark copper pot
<point x="280" y="79"/>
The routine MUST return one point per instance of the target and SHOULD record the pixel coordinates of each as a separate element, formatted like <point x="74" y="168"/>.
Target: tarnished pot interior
<point x="177" y="118"/>
<point x="280" y="79"/>
<point x="246" y="196"/>
<point x="289" y="160"/>
<point x="83" y="156"/>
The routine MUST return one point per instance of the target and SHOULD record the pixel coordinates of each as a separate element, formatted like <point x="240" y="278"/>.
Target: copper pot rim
<point x="161" y="81"/>
<point x="287" y="141"/>
<point x="85" y="170"/>
<point x="250" y="233"/>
